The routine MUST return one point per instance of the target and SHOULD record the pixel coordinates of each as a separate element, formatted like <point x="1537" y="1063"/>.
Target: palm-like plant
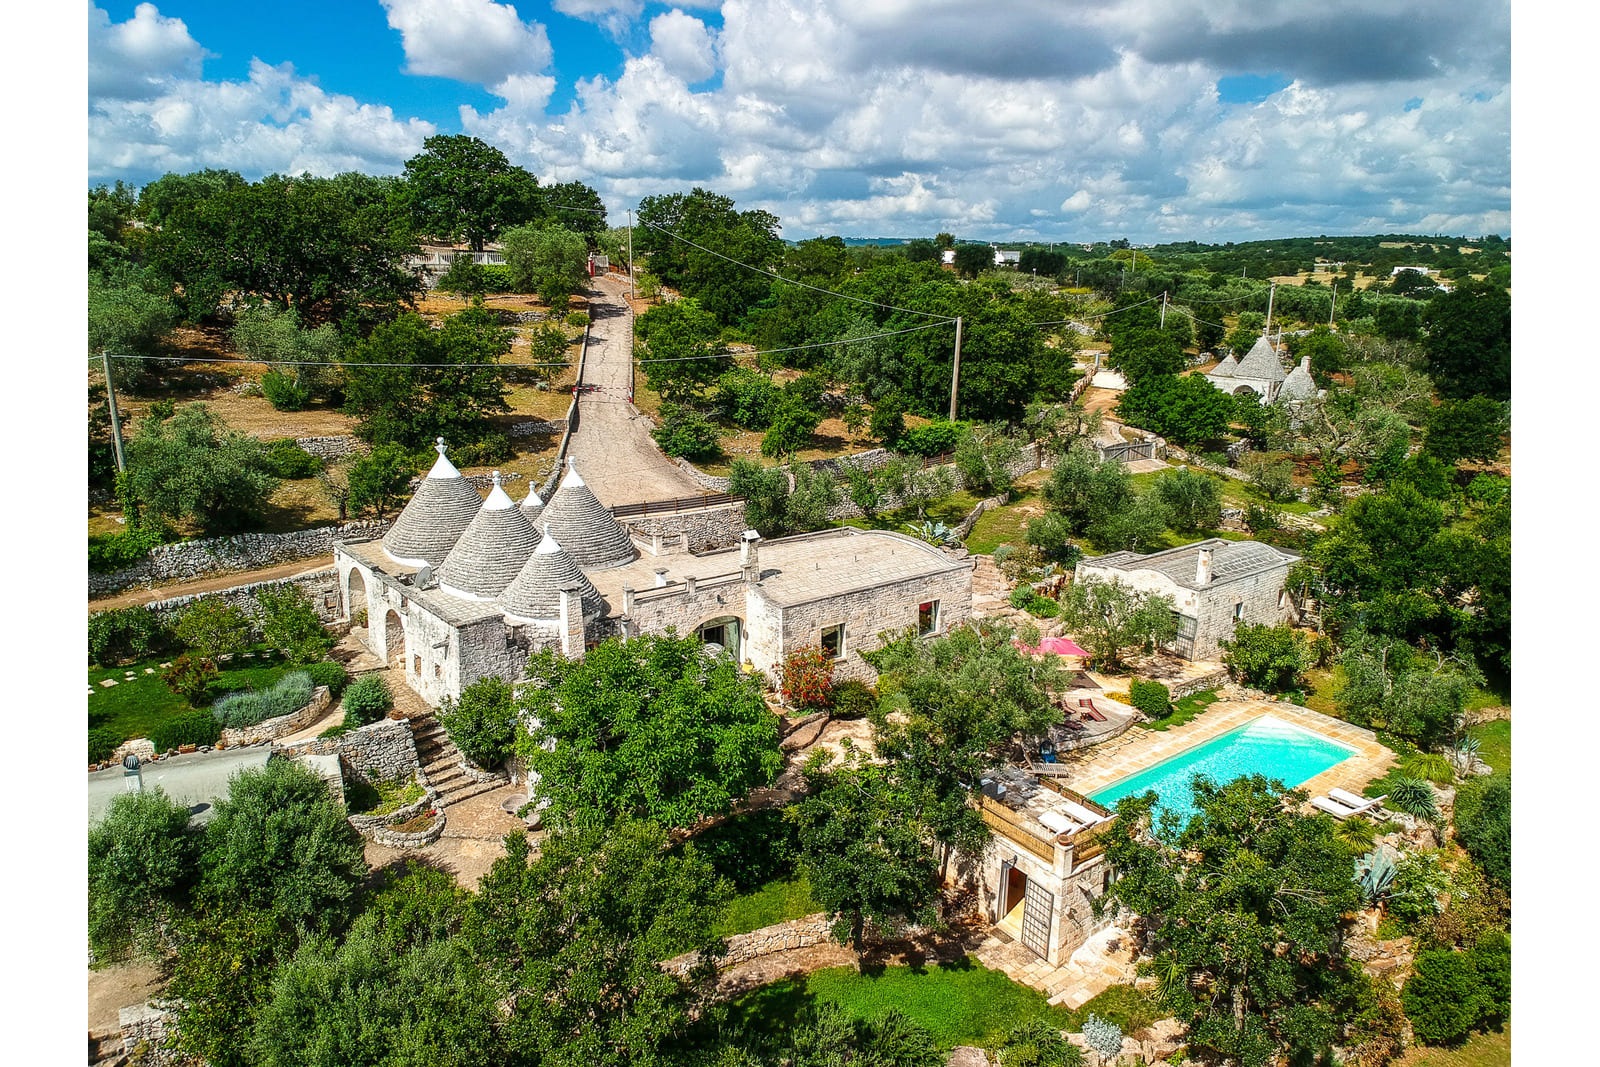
<point x="1431" y="766"/>
<point x="1413" y="796"/>
<point x="935" y="533"/>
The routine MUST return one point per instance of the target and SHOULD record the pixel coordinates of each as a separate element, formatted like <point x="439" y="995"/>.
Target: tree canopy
<point x="190" y="466"/>
<point x="1111" y="619"/>
<point x="460" y="188"/>
<point x="652" y="728"/>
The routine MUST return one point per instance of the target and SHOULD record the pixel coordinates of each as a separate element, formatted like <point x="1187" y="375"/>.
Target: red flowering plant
<point x="808" y="679"/>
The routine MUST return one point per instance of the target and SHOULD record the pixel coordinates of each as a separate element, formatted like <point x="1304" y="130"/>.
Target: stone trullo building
<point x="1214" y="585"/>
<point x="462" y="587"/>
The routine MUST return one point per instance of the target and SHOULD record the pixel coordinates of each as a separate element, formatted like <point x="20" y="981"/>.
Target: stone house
<point x="1044" y="865"/>
<point x="1259" y="372"/>
<point x="1214" y="585"/>
<point x="462" y="587"/>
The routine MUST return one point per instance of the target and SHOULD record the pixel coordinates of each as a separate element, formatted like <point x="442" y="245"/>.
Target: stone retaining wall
<point x="282" y="726"/>
<point x="537" y="426"/>
<point x="796" y="933"/>
<point x="333" y="447"/>
<point x="707" y="530"/>
<point x="322" y="586"/>
<point x="390" y="838"/>
<point x="218" y="555"/>
<point x="1218" y="677"/>
<point x="964" y="527"/>
<point x="144" y="1024"/>
<point x="370" y="824"/>
<point x="384" y="749"/>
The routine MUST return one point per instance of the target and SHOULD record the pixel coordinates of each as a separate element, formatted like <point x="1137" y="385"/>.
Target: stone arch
<point x="725" y="630"/>
<point x="394" y="637"/>
<point x="355" y="594"/>
<point x="1243" y="389"/>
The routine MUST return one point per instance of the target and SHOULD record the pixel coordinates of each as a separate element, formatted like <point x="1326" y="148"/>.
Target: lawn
<point x="1006" y="525"/>
<point x="1235" y="494"/>
<point x="134" y="708"/>
<point x="777" y="901"/>
<point x="1494" y="740"/>
<point x="960" y="1003"/>
<point x="1480" y="1050"/>
<point x="948" y="510"/>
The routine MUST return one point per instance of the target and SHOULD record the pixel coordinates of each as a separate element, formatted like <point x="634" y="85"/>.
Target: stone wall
<point x="218" y="555"/>
<point x="144" y="1024"/>
<point x="710" y="481"/>
<point x="715" y="596"/>
<point x="389" y="837"/>
<point x="782" y="937"/>
<point x="322" y="586"/>
<point x="537" y="426"/>
<point x="283" y="725"/>
<point x="1200" y="684"/>
<point x="333" y="447"/>
<point x="384" y="749"/>
<point x="366" y="824"/>
<point x="708" y="529"/>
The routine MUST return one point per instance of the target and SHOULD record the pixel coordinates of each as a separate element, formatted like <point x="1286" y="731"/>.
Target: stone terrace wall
<point x="796" y="933"/>
<point x="537" y="426"/>
<point x="283" y="725"/>
<point x="322" y="586"/>
<point x="218" y="555"/>
<point x="384" y="749"/>
<point x="333" y="447"/>
<point x="144" y="1024"/>
<point x="1199" y="685"/>
<point x="709" y="529"/>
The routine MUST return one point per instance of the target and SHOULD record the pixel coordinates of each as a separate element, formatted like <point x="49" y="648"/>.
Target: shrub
<point x="126" y="633"/>
<point x="112" y="552"/>
<point x="291" y="693"/>
<point x="751" y="849"/>
<point x="1414" y="797"/>
<point x="1022" y="596"/>
<point x="486" y="452"/>
<point x="685" y="432"/>
<point x="1491" y="958"/>
<point x="1443" y="999"/>
<point x="285" y="459"/>
<point x="1026" y="598"/>
<point x="195" y="728"/>
<point x="932" y="439"/>
<point x="483" y="723"/>
<point x="888" y="422"/>
<point x="746" y="398"/>
<point x="367" y="700"/>
<point x="1268" y="657"/>
<point x="283" y="392"/>
<point x="190" y="677"/>
<point x="1037" y="1043"/>
<point x="578" y="318"/>
<point x="808" y="679"/>
<point x="331" y="674"/>
<point x="290" y="624"/>
<point x="211" y="627"/>
<point x="1103" y="1035"/>
<point x="1486" y="832"/>
<point x="102" y="743"/>
<point x="1152" y="698"/>
<point x="497" y="278"/>
<point x="853" y="699"/>
<point x="1419" y="881"/>
<point x="142" y="862"/>
<point x="1002" y="552"/>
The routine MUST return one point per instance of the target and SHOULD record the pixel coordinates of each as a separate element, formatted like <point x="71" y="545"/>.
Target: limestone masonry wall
<point x="380" y="750"/>
<point x="536" y="426"/>
<point x="867" y="613"/>
<point x="710" y="529"/>
<point x="796" y="933"/>
<point x="283" y="725"/>
<point x="1210" y="680"/>
<point x="144" y="1024"/>
<point x="218" y="555"/>
<point x="333" y="447"/>
<point x="322" y="586"/>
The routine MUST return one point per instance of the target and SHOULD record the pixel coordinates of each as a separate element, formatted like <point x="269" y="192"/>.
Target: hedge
<point x="1152" y="698"/>
<point x="194" y="728"/>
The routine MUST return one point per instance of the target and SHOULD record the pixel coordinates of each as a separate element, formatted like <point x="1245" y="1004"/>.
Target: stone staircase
<point x="441" y="763"/>
<point x="989" y="587"/>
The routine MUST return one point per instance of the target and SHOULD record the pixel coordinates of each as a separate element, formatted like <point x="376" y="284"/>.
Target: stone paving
<point x="1105" y="960"/>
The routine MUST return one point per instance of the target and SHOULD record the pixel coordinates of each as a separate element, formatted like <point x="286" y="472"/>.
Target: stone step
<point x="466" y="791"/>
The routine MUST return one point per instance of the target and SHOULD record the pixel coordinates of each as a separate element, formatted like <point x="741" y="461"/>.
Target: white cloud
<point x="475" y="41"/>
<point x="684" y="46"/>
<point x="614" y="15"/>
<point x="129" y="60"/>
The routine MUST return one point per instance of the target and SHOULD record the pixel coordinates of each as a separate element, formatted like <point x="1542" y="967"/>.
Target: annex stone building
<point x="1214" y="585"/>
<point x="463" y="587"/>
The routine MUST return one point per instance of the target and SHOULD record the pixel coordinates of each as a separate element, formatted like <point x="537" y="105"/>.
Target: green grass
<point x="777" y="901"/>
<point x="1122" y="1004"/>
<point x="1006" y="525"/>
<point x="1480" y="1050"/>
<point x="134" y="708"/>
<point x="948" y="510"/>
<point x="960" y="1003"/>
<point x="1184" y="710"/>
<point x="1235" y="494"/>
<point x="1494" y="739"/>
<point x="381" y="797"/>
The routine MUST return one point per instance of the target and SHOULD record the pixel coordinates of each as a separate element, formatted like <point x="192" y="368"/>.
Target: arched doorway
<point x="726" y="632"/>
<point x="1243" y="389"/>
<point x="355" y="599"/>
<point x="394" y="639"/>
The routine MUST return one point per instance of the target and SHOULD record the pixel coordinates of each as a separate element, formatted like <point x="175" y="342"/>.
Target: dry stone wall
<point x="321" y="586"/>
<point x="144" y="1025"/>
<point x="332" y="447"/>
<point x="707" y="530"/>
<point x="537" y="426"/>
<point x="381" y="750"/>
<point x="783" y="937"/>
<point x="218" y="555"/>
<point x="282" y="726"/>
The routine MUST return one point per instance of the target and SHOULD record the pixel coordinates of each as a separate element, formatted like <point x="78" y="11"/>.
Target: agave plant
<point x="1375" y="875"/>
<point x="935" y="533"/>
<point x="1414" y="797"/>
<point x="1467" y="749"/>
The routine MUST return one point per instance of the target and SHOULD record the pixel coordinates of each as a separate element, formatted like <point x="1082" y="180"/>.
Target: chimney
<point x="1305" y="363"/>
<point x="627" y="600"/>
<point x="661" y="577"/>
<point x="1202" y="568"/>
<point x="572" y="629"/>
<point x="750" y="556"/>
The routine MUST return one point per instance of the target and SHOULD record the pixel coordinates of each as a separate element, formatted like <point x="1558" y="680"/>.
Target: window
<point x="927" y="618"/>
<point x="438" y="670"/>
<point x="416" y="664"/>
<point x="1238" y="611"/>
<point x="833" y="641"/>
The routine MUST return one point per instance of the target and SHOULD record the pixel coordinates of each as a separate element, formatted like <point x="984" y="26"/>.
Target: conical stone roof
<point x="533" y="505"/>
<point x="1261" y="362"/>
<point x="1299" y="384"/>
<point x="493" y="549"/>
<point x="535" y="594"/>
<point x="590" y="533"/>
<point x="436" y="517"/>
<point x="1224" y="369"/>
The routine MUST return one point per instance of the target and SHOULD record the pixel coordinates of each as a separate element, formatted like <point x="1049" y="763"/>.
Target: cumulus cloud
<point x="684" y="46"/>
<point x="614" y="15"/>
<point x="129" y="60"/>
<point x="476" y="41"/>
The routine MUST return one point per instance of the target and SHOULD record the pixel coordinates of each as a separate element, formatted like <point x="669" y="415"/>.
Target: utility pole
<point x="116" y="425"/>
<point x="631" y="294"/>
<point x="1271" y="291"/>
<point x="1334" y="302"/>
<point x="1163" y="310"/>
<point x="955" y="371"/>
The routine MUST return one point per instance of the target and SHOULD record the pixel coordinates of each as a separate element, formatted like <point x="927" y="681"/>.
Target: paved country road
<point x="612" y="445"/>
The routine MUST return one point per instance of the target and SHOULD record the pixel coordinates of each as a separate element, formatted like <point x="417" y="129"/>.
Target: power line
<point x="791" y="281"/>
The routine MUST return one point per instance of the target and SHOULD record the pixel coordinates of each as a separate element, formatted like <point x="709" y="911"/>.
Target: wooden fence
<point x="672" y="507"/>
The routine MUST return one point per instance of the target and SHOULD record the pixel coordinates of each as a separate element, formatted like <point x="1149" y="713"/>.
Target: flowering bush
<point x="808" y="679"/>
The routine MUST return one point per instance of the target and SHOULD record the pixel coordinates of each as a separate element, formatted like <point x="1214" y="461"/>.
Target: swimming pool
<point x="1266" y="746"/>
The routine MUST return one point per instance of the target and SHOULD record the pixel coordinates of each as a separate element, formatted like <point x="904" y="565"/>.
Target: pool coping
<point x="1139" y="750"/>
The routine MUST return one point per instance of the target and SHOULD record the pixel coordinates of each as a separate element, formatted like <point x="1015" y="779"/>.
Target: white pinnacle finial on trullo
<point x="439" y="445"/>
<point x="495" y="477"/>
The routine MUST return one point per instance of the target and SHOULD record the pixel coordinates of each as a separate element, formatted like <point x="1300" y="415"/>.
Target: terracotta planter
<point x="220" y="744"/>
<point x="396" y="714"/>
<point x="184" y="750"/>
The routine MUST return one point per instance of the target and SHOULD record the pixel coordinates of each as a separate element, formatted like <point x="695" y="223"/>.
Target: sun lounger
<point x="1090" y="710"/>
<point x="1351" y="800"/>
<point x="1081" y="813"/>
<point x="1332" y="807"/>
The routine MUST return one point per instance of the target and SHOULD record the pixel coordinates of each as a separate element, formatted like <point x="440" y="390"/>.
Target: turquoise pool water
<point x="1262" y="746"/>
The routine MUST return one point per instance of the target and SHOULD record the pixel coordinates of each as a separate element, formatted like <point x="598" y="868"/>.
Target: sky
<point x="1154" y="120"/>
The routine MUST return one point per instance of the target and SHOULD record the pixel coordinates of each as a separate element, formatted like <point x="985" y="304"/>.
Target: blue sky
<point x="1043" y="119"/>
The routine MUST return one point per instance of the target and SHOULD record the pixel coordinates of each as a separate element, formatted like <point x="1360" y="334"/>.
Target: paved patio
<point x="1105" y="960"/>
<point x="1096" y="768"/>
